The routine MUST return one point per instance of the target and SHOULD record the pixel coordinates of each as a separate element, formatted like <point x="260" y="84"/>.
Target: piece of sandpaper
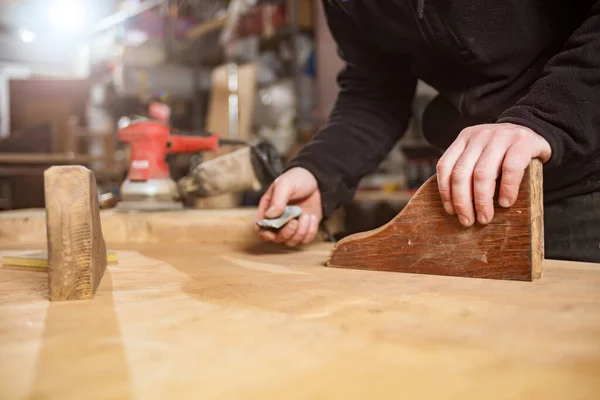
<point x="289" y="213"/>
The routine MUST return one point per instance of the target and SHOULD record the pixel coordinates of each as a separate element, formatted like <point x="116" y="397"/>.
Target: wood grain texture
<point x="76" y="247"/>
<point x="536" y="212"/>
<point x="174" y="321"/>
<point x="234" y="226"/>
<point x="424" y="239"/>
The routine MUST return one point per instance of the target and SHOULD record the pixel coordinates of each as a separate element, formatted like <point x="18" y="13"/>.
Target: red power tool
<point x="149" y="185"/>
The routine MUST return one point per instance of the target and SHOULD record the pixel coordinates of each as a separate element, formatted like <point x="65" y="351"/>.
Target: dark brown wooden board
<point x="424" y="239"/>
<point x="76" y="247"/>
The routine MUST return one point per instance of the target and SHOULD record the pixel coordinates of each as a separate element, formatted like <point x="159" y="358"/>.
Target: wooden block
<point x="218" y="121"/>
<point x="424" y="239"/>
<point x="76" y="248"/>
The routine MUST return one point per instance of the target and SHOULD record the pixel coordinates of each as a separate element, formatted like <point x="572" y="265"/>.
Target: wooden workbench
<point x="194" y="320"/>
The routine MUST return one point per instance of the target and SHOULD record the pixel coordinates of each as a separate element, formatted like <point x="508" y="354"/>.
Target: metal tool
<point x="149" y="186"/>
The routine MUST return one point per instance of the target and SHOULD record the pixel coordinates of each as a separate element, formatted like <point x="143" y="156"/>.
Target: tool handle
<point x="190" y="144"/>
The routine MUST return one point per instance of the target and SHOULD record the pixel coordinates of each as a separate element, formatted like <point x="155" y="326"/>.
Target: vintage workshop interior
<point x="299" y="199"/>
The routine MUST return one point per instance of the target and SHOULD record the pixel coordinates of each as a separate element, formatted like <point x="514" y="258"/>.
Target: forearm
<point x="370" y="115"/>
<point x="562" y="106"/>
<point x="361" y="130"/>
<point x="355" y="140"/>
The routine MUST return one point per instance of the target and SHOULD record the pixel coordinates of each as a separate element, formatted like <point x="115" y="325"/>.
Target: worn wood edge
<point x="98" y="252"/>
<point x="534" y="174"/>
<point x="96" y="256"/>
<point x="536" y="212"/>
<point x="372" y="232"/>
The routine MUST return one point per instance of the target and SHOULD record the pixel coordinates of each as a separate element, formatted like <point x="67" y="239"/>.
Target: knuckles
<point x="444" y="191"/>
<point x="460" y="207"/>
<point x="486" y="132"/>
<point x="482" y="175"/>
<point x="460" y="173"/>
<point x="441" y="167"/>
<point x="509" y="186"/>
<point x="509" y="169"/>
<point x="481" y="203"/>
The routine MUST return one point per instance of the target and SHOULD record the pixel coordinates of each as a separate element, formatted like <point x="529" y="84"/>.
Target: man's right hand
<point x="294" y="187"/>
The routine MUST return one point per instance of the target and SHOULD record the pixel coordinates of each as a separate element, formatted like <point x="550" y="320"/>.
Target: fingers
<point x="264" y="203"/>
<point x="288" y="230"/>
<point x="462" y="178"/>
<point x="298" y="231"/>
<point x="513" y="169"/>
<point x="301" y="230"/>
<point x="445" y="167"/>
<point x="313" y="228"/>
<point x="282" y="190"/>
<point x="468" y="171"/>
<point x="484" y="179"/>
<point x="267" y="236"/>
<point x="272" y="205"/>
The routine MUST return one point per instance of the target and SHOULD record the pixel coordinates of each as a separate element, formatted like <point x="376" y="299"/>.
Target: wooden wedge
<point x="424" y="239"/>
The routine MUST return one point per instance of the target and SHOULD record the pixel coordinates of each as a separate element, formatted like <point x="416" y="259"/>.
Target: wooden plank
<point x="212" y="322"/>
<point x="218" y="107"/>
<point x="218" y="120"/>
<point x="424" y="239"/>
<point x="233" y="226"/>
<point x="47" y="158"/>
<point x="76" y="248"/>
<point x="113" y="172"/>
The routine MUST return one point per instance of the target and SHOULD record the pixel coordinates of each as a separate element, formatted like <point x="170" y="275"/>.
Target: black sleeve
<point x="370" y="115"/>
<point x="563" y="106"/>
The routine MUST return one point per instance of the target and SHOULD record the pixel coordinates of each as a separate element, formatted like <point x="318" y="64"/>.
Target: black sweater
<point x="534" y="63"/>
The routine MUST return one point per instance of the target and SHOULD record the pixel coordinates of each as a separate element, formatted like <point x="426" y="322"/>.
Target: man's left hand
<point x="468" y="170"/>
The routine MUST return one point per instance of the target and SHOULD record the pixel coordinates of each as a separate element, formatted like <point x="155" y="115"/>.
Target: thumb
<point x="280" y="197"/>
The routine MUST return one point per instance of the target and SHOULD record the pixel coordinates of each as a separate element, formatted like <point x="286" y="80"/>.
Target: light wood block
<point x="76" y="247"/>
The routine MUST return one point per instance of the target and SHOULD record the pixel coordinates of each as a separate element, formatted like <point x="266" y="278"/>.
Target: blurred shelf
<point x="47" y="158"/>
<point x="101" y="174"/>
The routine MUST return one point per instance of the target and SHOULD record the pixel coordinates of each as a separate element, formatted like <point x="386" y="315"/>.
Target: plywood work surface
<point x="208" y="322"/>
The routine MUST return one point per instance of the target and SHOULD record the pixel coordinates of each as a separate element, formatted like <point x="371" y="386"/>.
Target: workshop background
<point x="242" y="69"/>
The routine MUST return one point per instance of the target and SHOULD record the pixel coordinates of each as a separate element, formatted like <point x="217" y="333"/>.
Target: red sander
<point x="149" y="186"/>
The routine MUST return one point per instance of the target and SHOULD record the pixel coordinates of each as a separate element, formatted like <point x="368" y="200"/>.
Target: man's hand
<point x="294" y="187"/>
<point x="468" y="170"/>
